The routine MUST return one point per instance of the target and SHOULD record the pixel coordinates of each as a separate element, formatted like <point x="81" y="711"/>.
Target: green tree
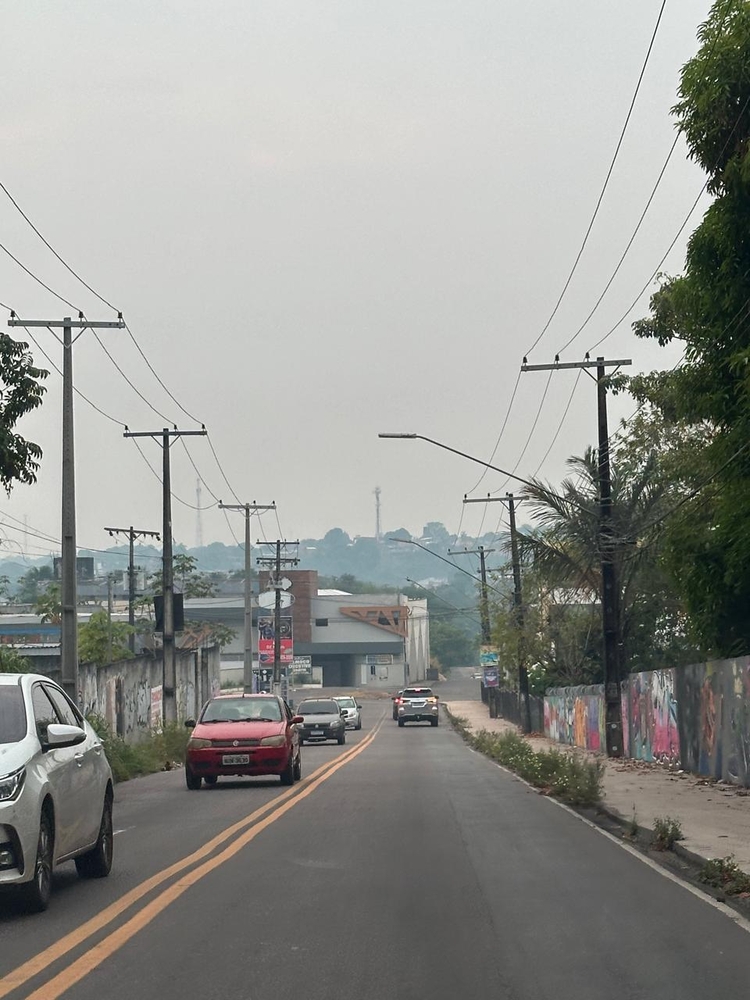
<point x="11" y="662"/>
<point x="707" y="548"/>
<point x="450" y="646"/>
<point x="28" y="585"/>
<point x="206" y="634"/>
<point x="49" y="605"/>
<point x="187" y="579"/>
<point x="21" y="391"/>
<point x="103" y="641"/>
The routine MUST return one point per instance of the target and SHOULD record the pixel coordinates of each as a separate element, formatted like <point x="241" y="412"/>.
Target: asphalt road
<point x="403" y="866"/>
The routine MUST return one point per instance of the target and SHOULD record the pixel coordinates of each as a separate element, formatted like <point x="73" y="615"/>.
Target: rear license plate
<point x="316" y="732"/>
<point x="230" y="759"/>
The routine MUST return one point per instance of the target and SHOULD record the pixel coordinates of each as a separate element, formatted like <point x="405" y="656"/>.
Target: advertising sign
<point x="491" y="677"/>
<point x="488" y="657"/>
<point x="156" y="706"/>
<point x="266" y="637"/>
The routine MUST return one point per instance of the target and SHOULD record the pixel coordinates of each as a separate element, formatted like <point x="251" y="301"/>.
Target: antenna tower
<point x="378" y="532"/>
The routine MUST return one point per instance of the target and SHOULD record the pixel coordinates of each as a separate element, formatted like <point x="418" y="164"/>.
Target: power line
<point x="158" y="379"/>
<point x="37" y="279"/>
<point x="530" y="435"/>
<point x="52" y="249"/>
<point x="135" y="389"/>
<point x="606" y="180"/>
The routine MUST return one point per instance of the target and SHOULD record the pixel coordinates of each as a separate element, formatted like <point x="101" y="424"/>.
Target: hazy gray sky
<point x="327" y="219"/>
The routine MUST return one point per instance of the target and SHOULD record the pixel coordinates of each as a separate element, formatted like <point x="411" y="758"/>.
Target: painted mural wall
<point x="696" y="716"/>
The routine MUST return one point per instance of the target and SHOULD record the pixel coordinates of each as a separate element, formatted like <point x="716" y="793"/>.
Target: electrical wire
<point x="221" y="468"/>
<point x="174" y="496"/>
<point x="135" y="389"/>
<point x="606" y="180"/>
<point x="197" y="472"/>
<point x="52" y="249"/>
<point x="37" y="279"/>
<point x="231" y="529"/>
<point x="529" y="437"/>
<point x="159" y="380"/>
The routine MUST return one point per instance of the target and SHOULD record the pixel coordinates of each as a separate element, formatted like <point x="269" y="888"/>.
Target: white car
<point x="352" y="711"/>
<point x="56" y="789"/>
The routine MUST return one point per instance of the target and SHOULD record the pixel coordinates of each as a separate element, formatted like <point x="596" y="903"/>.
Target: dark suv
<point x="418" y="704"/>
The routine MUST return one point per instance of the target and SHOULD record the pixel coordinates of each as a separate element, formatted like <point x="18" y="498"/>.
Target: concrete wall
<point x="697" y="716"/>
<point x="124" y="692"/>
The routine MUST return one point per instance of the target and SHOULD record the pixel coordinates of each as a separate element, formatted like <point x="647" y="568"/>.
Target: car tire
<point x="36" y="894"/>
<point x="401" y="723"/>
<point x="433" y="722"/>
<point x="192" y="780"/>
<point x="298" y="768"/>
<point x="287" y="775"/>
<point x="341" y="740"/>
<point x="211" y="779"/>
<point x="359" y="725"/>
<point x="97" y="863"/>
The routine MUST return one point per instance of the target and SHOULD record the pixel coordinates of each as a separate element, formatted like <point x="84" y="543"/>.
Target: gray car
<point x="418" y="704"/>
<point x="322" y="721"/>
<point x="351" y="709"/>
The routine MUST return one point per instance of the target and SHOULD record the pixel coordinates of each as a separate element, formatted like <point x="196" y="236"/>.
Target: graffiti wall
<point x="575" y="716"/>
<point x="697" y="716"/>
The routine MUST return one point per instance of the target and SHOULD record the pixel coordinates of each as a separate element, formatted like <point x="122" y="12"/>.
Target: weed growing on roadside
<point x="667" y="832"/>
<point x="157" y="752"/>
<point x="567" y="776"/>
<point x="632" y="829"/>
<point x="725" y="874"/>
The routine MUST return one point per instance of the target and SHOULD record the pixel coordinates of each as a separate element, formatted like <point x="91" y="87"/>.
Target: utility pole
<point x="169" y="681"/>
<point x="276" y="563"/>
<point x="132" y="533"/>
<point x="248" y="509"/>
<point x="607" y="545"/>
<point x="484" y="606"/>
<point x="523" y="676"/>
<point x="110" y="603"/>
<point x="68" y="552"/>
<point x="378" y="532"/>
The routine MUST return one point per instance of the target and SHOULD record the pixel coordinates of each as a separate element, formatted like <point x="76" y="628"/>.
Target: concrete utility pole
<point x="276" y="563"/>
<point x="248" y="509"/>
<point x="69" y="589"/>
<point x="132" y="533"/>
<point x="523" y="676"/>
<point x="169" y="682"/>
<point x="607" y="545"/>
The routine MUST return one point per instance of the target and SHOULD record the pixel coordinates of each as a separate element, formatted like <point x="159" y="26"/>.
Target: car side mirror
<point x="189" y="723"/>
<point x="297" y="720"/>
<point x="63" y="736"/>
<point x="342" y="711"/>
<point x="358" y="705"/>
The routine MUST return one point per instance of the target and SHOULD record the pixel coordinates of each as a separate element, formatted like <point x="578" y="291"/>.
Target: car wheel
<point x="97" y="863"/>
<point x="359" y="725"/>
<point x="192" y="780"/>
<point x="341" y="740"/>
<point x="37" y="893"/>
<point x="211" y="779"/>
<point x="433" y="722"/>
<point x="401" y="723"/>
<point x="298" y="768"/>
<point x="287" y="775"/>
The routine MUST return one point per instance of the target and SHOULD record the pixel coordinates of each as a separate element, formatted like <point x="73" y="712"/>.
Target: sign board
<point x="491" y="677"/>
<point x="267" y="599"/>
<point x="266" y="636"/>
<point x="488" y="657"/>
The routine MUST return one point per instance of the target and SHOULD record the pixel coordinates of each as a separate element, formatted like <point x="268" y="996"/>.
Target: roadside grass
<point x="160" y="750"/>
<point x="667" y="831"/>
<point x="726" y="874"/>
<point x="566" y="776"/>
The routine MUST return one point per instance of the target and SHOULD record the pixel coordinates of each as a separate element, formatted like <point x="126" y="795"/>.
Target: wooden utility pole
<point x="169" y="682"/>
<point x="132" y="533"/>
<point x="69" y="588"/>
<point x="523" y="676"/>
<point x="607" y="545"/>
<point x="248" y="509"/>
<point x="276" y="563"/>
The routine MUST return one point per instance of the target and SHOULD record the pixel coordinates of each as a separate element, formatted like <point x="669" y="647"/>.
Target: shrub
<point x="158" y="752"/>
<point x="725" y="874"/>
<point x="667" y="832"/>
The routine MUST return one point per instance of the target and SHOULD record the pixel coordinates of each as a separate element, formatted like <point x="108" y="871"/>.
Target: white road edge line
<point x="124" y="830"/>
<point x="737" y="918"/>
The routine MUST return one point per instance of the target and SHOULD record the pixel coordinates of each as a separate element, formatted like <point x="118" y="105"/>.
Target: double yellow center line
<point x="253" y="824"/>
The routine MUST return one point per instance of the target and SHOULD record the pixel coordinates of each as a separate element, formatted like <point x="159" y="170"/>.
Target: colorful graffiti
<point x="697" y="716"/>
<point x="575" y="716"/>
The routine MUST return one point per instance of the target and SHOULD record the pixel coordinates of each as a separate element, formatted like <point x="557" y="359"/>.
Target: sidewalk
<point x="715" y="817"/>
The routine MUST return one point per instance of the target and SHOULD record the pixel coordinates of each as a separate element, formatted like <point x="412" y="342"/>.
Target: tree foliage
<point x="12" y="662"/>
<point x="21" y="391"/>
<point x="103" y="641"/>
<point x="708" y="309"/>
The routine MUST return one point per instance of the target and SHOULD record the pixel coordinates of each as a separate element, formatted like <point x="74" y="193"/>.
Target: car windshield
<point x="318" y="708"/>
<point x="12" y="715"/>
<point x="346" y="702"/>
<point x="242" y="710"/>
<point x="418" y="693"/>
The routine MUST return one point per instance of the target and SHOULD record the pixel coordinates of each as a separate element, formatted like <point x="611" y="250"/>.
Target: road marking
<point x="107" y="947"/>
<point x="38" y="963"/>
<point x="124" y="830"/>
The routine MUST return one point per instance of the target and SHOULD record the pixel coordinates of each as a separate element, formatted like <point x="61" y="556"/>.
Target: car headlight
<point x="196" y="743"/>
<point x="273" y="741"/>
<point x="11" y="785"/>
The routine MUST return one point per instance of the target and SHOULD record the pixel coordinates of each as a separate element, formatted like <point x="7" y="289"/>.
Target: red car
<point x="247" y="734"/>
